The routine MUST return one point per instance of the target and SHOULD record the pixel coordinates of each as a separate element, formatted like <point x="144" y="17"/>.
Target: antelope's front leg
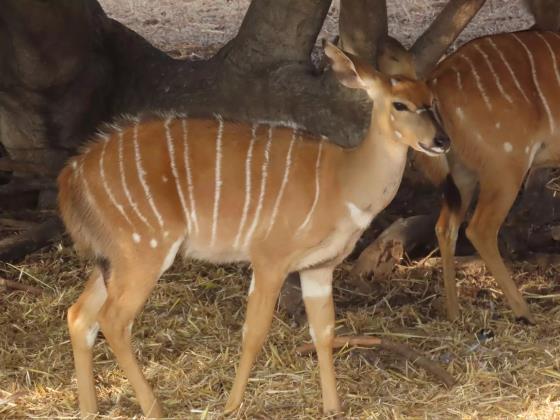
<point x="316" y="288"/>
<point x="263" y="294"/>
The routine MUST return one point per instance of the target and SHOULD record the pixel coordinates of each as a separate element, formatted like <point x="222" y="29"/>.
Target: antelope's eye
<point x="399" y="106"/>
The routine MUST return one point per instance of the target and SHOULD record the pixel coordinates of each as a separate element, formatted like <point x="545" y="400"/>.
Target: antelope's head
<point x="401" y="105"/>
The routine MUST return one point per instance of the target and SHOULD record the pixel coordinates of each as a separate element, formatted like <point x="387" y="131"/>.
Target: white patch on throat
<point x="508" y="147"/>
<point x="359" y="217"/>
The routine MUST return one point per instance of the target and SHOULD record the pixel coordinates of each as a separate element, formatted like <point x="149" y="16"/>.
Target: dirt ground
<point x="187" y="338"/>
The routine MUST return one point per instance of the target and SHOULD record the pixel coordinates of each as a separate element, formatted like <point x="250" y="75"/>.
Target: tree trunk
<point x="546" y="13"/>
<point x="97" y="68"/>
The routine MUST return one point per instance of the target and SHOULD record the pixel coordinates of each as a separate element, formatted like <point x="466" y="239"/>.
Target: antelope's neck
<point x="373" y="171"/>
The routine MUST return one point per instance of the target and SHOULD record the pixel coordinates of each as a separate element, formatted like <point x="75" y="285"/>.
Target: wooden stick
<point x="401" y="349"/>
<point x="14" y="285"/>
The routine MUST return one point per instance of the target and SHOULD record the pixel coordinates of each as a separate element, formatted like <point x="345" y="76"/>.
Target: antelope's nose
<point x="442" y="142"/>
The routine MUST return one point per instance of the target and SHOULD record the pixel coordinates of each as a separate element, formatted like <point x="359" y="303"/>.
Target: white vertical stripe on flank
<point x="554" y="60"/>
<point x="187" y="163"/>
<point x="284" y="182"/>
<point x="142" y="175"/>
<point x="264" y="176"/>
<point x="459" y="79"/>
<point x="478" y="81"/>
<point x="493" y="71"/>
<point x="537" y="83"/>
<point x="175" y="172"/>
<point x="89" y="197"/>
<point x="247" y="203"/>
<point x="508" y="66"/>
<point x="132" y="203"/>
<point x="218" y="180"/>
<point x="106" y="186"/>
<point x="317" y="186"/>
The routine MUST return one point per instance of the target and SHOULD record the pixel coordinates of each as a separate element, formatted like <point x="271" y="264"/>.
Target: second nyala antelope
<point x="223" y="191"/>
<point x="499" y="101"/>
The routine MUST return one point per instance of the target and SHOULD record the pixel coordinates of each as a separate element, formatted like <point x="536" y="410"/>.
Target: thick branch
<point x="362" y="24"/>
<point x="431" y="46"/>
<point x="277" y="30"/>
<point x="546" y="13"/>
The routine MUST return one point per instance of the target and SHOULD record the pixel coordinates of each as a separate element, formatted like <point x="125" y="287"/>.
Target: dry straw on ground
<point x="187" y="338"/>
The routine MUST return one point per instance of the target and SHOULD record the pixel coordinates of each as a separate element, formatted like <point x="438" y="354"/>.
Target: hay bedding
<point x="188" y="336"/>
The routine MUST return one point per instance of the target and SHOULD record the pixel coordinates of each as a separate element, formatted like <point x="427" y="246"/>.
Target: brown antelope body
<point x="223" y="191"/>
<point x="499" y="101"/>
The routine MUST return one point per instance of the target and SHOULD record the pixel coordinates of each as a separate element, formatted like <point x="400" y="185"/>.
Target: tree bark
<point x="96" y="68"/>
<point x="362" y="25"/>
<point x="546" y="13"/>
<point x="443" y="31"/>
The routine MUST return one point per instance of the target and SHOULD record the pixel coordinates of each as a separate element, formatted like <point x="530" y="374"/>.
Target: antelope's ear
<point x="343" y="67"/>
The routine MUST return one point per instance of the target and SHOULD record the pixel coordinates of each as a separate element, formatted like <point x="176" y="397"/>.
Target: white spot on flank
<point x="190" y="186"/>
<point x="398" y="134"/>
<point x="136" y="238"/>
<point x="91" y="335"/>
<point x="317" y="187"/>
<point x="175" y="172"/>
<point x="165" y="179"/>
<point x="284" y="182"/>
<point x="478" y="81"/>
<point x="74" y="164"/>
<point x="217" y="180"/>
<point x="498" y="124"/>
<point x="537" y="83"/>
<point x="508" y="147"/>
<point x="142" y="176"/>
<point x="264" y="176"/>
<point x="359" y="217"/>
<point x="527" y="150"/>
<point x="247" y="202"/>
<point x="153" y="243"/>
<point x="508" y="66"/>
<point x="460" y="113"/>
<point x="494" y="73"/>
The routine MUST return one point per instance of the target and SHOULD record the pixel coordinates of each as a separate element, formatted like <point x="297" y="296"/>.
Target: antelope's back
<point x="500" y="92"/>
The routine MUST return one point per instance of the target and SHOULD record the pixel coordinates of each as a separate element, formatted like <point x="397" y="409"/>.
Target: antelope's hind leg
<point x="83" y="327"/>
<point x="129" y="285"/>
